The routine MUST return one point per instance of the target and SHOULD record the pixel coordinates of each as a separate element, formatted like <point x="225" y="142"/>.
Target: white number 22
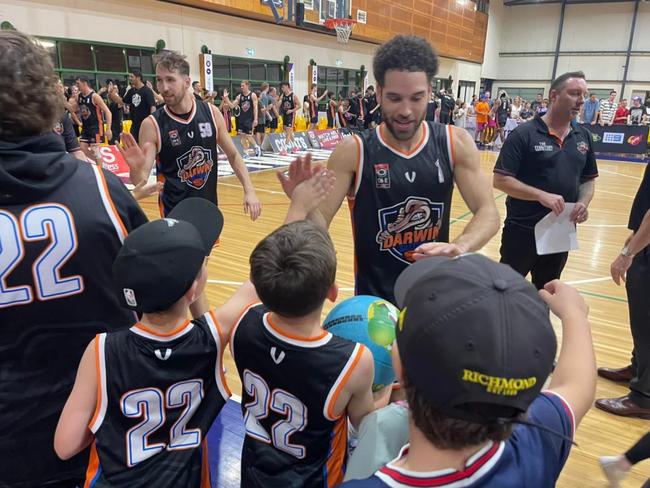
<point x="280" y="402"/>
<point x="46" y="221"/>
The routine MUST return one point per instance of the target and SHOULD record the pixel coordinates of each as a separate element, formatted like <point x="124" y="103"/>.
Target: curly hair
<point x="405" y="53"/>
<point x="172" y="61"/>
<point x="30" y="103"/>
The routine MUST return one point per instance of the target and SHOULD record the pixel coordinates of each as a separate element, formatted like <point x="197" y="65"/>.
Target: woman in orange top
<point x="482" y="111"/>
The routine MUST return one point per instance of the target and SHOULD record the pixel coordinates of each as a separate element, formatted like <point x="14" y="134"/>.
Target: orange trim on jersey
<point x="344" y="381"/>
<point x="357" y="177"/>
<point x="178" y="119"/>
<point x="178" y="329"/>
<point x="354" y="237"/>
<point x="100" y="120"/>
<point x="295" y="337"/>
<point x="98" y="373"/>
<point x="110" y="202"/>
<point x="158" y="135"/>
<point x="205" y="466"/>
<point x="93" y="466"/>
<point x="222" y="347"/>
<point x="241" y="316"/>
<point x="450" y="133"/>
<point x="161" y="179"/>
<point x="417" y="147"/>
<point x="335" y="466"/>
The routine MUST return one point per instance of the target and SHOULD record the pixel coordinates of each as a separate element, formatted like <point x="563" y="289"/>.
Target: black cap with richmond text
<point x="474" y="337"/>
<point x="160" y="260"/>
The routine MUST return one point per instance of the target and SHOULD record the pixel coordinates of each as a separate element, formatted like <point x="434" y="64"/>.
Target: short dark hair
<point x="285" y="83"/>
<point x="405" y="53"/>
<point x="83" y="79"/>
<point x="613" y="91"/>
<point x="370" y="87"/>
<point x="293" y="268"/>
<point x="30" y="103"/>
<point x="136" y="73"/>
<point x="194" y="83"/>
<point x="172" y="61"/>
<point x="559" y="82"/>
<point x="448" y="433"/>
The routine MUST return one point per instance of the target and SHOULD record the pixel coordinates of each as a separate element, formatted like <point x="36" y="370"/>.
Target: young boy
<point x="474" y="347"/>
<point x="300" y="383"/>
<point x="145" y="397"/>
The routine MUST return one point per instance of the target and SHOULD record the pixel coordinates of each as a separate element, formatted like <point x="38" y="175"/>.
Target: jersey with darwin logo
<point x="91" y="116"/>
<point x="246" y="115"/>
<point x="187" y="161"/>
<point x="160" y="393"/>
<point x="399" y="202"/>
<point x="290" y="386"/>
<point x="62" y="222"/>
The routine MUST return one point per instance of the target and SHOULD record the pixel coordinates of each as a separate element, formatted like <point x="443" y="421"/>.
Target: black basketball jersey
<point x="287" y="104"/>
<point x="331" y="113"/>
<point x="56" y="294"/>
<point x="399" y="202"/>
<point x="313" y="108"/>
<point x="187" y="157"/>
<point x="160" y="394"/>
<point x="246" y="106"/>
<point x="91" y="115"/>
<point x="290" y="387"/>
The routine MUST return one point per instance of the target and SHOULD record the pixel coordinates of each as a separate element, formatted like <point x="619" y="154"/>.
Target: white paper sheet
<point x="556" y="233"/>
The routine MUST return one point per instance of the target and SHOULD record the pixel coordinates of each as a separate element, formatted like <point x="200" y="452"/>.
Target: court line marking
<point x="616" y="193"/>
<point x="590" y="280"/>
<point x="469" y="212"/>
<point x="264" y="190"/>
<point x="603" y="225"/>
<point x="619" y="174"/>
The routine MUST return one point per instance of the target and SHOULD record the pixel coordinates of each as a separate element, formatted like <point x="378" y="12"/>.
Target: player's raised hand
<point x="145" y="189"/>
<point x="300" y="169"/>
<point x="309" y="194"/>
<point x="134" y="156"/>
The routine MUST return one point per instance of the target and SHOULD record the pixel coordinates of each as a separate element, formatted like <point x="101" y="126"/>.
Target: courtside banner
<point x="279" y="142"/>
<point x="245" y="146"/>
<point x="324" y="139"/>
<point x="113" y="161"/>
<point x="628" y="139"/>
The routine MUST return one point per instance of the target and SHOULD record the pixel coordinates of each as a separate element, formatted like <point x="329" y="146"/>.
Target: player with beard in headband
<point x="399" y="177"/>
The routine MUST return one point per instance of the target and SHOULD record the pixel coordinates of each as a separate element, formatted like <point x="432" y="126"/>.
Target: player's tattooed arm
<point x="72" y="433"/>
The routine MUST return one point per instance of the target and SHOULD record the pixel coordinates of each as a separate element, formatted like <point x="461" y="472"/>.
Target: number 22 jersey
<point x="159" y="395"/>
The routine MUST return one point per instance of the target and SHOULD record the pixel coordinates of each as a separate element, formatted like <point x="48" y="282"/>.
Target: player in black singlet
<point x="399" y="178"/>
<point x="314" y="99"/>
<point x="288" y="105"/>
<point x="332" y="109"/>
<point x="62" y="222"/>
<point x="91" y="107"/>
<point x="182" y="139"/>
<point x="248" y="116"/>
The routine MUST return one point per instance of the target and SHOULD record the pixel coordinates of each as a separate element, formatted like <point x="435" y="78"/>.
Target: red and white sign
<point x="113" y="161"/>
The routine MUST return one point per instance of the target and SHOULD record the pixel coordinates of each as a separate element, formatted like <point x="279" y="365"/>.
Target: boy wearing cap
<point x="145" y="397"/>
<point x="474" y="347"/>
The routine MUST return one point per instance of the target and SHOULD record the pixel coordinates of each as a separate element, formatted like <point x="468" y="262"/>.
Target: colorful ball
<point x="370" y="321"/>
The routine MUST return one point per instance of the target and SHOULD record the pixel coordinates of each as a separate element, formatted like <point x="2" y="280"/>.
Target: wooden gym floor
<point x="601" y="238"/>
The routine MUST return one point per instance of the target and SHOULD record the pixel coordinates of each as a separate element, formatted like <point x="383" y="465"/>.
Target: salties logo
<point x="583" y="147"/>
<point x="403" y="227"/>
<point x="194" y="167"/>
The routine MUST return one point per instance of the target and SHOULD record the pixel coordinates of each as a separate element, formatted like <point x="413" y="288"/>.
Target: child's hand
<point x="300" y="170"/>
<point x="309" y="194"/>
<point x="564" y="300"/>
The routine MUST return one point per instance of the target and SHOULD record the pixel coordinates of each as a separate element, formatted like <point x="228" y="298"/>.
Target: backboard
<point x="317" y="11"/>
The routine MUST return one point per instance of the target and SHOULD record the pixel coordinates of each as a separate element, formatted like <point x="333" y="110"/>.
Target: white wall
<point x="602" y="26"/>
<point x="496" y="17"/>
<point x="143" y="22"/>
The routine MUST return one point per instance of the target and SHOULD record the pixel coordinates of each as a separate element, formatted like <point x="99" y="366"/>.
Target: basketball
<point x="370" y="321"/>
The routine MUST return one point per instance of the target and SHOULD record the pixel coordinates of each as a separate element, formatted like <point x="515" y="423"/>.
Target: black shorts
<point x="314" y="120"/>
<point x="91" y="135"/>
<point x="287" y="121"/>
<point x="245" y="128"/>
<point x="502" y="122"/>
<point x="260" y="128"/>
<point x="273" y="124"/>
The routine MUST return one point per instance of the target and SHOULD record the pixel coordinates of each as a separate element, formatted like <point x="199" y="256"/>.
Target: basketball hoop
<point x="343" y="28"/>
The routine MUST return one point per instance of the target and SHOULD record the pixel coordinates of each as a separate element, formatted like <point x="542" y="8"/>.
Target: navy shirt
<point x="531" y="457"/>
<point x="538" y="158"/>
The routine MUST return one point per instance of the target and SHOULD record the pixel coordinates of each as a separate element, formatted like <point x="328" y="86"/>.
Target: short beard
<point x="404" y="136"/>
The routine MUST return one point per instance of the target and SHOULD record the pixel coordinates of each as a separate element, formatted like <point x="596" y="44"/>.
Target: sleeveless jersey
<point x="187" y="158"/>
<point x="331" y="114"/>
<point x="57" y="295"/>
<point x="287" y="104"/>
<point x="246" y="105"/>
<point x="313" y="108"/>
<point x="290" y="387"/>
<point x="90" y="113"/>
<point x="160" y="394"/>
<point x="399" y="201"/>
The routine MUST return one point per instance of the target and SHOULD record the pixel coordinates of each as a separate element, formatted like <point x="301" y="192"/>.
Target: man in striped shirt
<point x="608" y="109"/>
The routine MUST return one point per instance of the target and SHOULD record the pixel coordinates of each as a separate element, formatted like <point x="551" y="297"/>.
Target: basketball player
<point x="272" y="108"/>
<point x="91" y="107"/>
<point x="296" y="430"/>
<point x="248" y="116"/>
<point x="288" y="104"/>
<point x="468" y="425"/>
<point x="65" y="128"/>
<point x="332" y="109"/>
<point x="197" y="90"/>
<point x="314" y="99"/>
<point x="141" y="101"/>
<point x="400" y="177"/>
<point x="51" y="205"/>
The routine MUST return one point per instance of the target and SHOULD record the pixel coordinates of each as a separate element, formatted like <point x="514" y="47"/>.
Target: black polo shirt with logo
<point x="534" y="156"/>
<point x="641" y="203"/>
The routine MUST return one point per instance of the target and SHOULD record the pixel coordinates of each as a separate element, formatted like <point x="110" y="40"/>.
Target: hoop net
<point x="343" y="28"/>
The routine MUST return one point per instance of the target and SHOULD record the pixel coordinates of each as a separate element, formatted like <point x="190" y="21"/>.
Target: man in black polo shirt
<point x="633" y="267"/>
<point x="141" y="101"/>
<point x="543" y="164"/>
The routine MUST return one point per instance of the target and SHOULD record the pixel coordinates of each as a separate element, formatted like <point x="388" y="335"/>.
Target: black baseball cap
<point x="474" y="337"/>
<point x="160" y="260"/>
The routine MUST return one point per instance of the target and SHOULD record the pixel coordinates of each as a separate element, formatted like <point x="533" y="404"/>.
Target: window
<point x="466" y="89"/>
<point x="97" y="61"/>
<point x="337" y="80"/>
<point x="527" y="94"/>
<point x="229" y="72"/>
